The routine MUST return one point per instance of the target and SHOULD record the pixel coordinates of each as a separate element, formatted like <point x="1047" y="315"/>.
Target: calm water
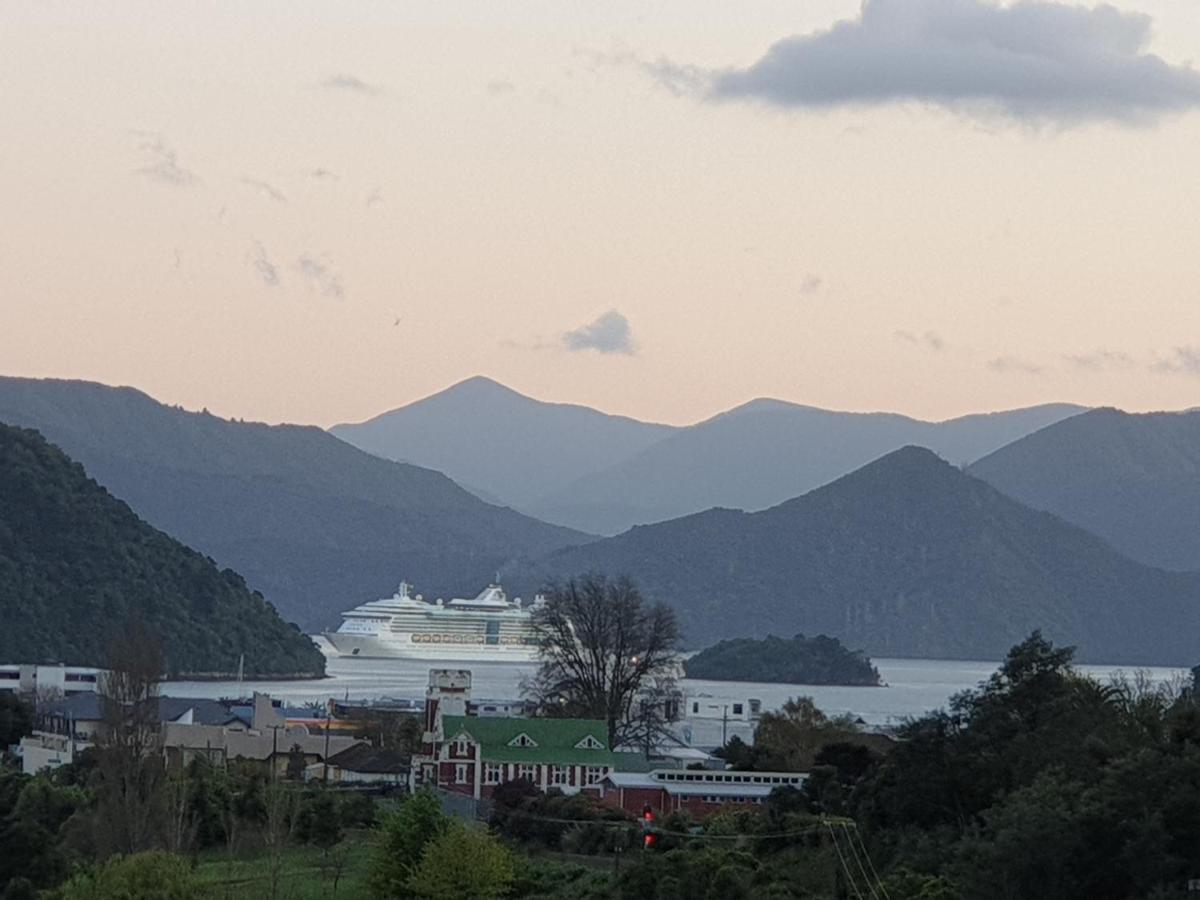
<point x="914" y="686"/>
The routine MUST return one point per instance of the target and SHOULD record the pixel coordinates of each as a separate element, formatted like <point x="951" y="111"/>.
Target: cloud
<point x="930" y="340"/>
<point x="374" y="198"/>
<point x="162" y="164"/>
<point x="498" y="87"/>
<point x="810" y="284"/>
<point x="320" y="276"/>
<point x="263" y="267"/>
<point x="322" y="174"/>
<point x="1007" y="365"/>
<point x="1035" y="61"/>
<point x="264" y="188"/>
<point x="1182" y="361"/>
<point x="608" y="334"/>
<point x="351" y="83"/>
<point x="1101" y="360"/>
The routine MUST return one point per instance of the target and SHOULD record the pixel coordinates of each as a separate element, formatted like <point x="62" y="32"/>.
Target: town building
<point x="362" y="764"/>
<point x="49" y="680"/>
<point x="696" y="791"/>
<point x="473" y="754"/>
<point x="267" y="739"/>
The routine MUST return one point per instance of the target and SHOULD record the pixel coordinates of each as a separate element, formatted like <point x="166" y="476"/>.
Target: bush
<point x="464" y="864"/>
<point x="143" y="876"/>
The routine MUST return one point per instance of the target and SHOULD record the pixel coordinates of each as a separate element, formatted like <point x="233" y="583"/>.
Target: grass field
<point x="301" y="876"/>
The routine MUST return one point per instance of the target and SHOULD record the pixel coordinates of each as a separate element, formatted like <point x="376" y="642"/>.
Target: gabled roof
<point x="371" y="760"/>
<point x="88" y="707"/>
<point x="556" y="739"/>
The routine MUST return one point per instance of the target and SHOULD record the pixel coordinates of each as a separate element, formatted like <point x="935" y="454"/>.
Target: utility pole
<point x="274" y="751"/>
<point x="325" y="759"/>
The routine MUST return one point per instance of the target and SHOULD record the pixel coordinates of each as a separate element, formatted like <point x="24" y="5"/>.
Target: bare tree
<point x="606" y="653"/>
<point x="279" y="829"/>
<point x="131" y="768"/>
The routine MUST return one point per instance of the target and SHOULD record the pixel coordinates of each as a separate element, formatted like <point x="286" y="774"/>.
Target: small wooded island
<point x="797" y="660"/>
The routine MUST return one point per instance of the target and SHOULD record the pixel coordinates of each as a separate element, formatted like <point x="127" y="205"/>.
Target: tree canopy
<point x="799" y="660"/>
<point x="606" y="653"/>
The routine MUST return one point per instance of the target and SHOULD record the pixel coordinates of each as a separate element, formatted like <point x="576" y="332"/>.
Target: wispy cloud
<point x="498" y="87"/>
<point x="374" y="198"/>
<point x="1101" y="360"/>
<point x="322" y="174"/>
<point x="161" y="163"/>
<point x="320" y="276"/>
<point x="351" y="84"/>
<point x="1180" y="361"/>
<point x="1009" y="365"/>
<point x="1035" y="61"/>
<point x="610" y="333"/>
<point x="929" y="340"/>
<point x="264" y="188"/>
<point x="266" y="270"/>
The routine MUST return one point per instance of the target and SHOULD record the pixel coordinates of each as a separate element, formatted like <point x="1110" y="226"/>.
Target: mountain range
<point x="77" y="566"/>
<point x="501" y="444"/>
<point x="1132" y="479"/>
<point x="315" y="524"/>
<point x="907" y="556"/>
<point x="602" y="474"/>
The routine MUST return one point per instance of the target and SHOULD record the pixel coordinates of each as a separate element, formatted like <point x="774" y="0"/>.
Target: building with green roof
<point x="477" y="753"/>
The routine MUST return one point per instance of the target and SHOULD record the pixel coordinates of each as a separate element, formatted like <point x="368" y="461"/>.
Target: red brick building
<point x="698" y="791"/>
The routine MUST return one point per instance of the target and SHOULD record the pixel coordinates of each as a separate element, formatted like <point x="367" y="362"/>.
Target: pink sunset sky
<point x="313" y="212"/>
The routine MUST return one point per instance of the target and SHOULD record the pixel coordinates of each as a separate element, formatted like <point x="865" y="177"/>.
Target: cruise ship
<point x="487" y="627"/>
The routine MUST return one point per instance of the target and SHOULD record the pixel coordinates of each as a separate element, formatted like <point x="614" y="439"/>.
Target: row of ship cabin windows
<point x="493" y="773"/>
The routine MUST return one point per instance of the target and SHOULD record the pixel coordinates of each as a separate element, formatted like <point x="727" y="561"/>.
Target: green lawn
<point x="301" y="875"/>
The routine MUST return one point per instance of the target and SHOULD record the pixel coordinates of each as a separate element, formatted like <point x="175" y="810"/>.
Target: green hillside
<point x="76" y="565"/>
<point x="907" y="556"/>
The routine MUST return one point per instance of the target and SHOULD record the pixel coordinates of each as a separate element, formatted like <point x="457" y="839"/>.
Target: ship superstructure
<point x="488" y="626"/>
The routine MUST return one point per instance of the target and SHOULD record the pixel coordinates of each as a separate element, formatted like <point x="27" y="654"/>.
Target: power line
<point x="842" y="860"/>
<point x="871" y="865"/>
<point x="861" y="867"/>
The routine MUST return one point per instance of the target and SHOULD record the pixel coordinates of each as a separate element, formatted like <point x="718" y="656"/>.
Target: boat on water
<point x="484" y="628"/>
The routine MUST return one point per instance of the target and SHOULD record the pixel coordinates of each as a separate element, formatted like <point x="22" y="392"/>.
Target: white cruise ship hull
<point x="367" y="646"/>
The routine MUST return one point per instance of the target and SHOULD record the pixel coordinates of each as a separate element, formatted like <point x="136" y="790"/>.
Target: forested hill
<point x="317" y="525"/>
<point x="76" y="565"/>
<point x="908" y="556"/>
<point x="797" y="660"/>
<point x="1133" y="479"/>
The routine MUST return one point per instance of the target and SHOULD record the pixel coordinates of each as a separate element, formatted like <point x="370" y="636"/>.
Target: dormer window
<point x="522" y="740"/>
<point x="589" y="743"/>
<point x="461" y="747"/>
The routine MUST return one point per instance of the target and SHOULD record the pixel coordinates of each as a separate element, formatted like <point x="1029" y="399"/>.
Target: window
<point x="593" y="774"/>
<point x="460" y="773"/>
<point x="737" y="709"/>
<point x="695" y="708"/>
<point x="527" y="771"/>
<point x="491" y="773"/>
<point x="589" y="743"/>
<point x="522" y="740"/>
<point x="461" y="747"/>
<point x="559" y="775"/>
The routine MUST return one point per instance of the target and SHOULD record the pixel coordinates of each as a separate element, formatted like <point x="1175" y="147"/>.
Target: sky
<point x="314" y="212"/>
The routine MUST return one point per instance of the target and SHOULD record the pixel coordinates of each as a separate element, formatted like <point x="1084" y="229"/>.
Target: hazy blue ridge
<point x="907" y="556"/>
<point x="315" y="524"/>
<point x="1133" y="479"/>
